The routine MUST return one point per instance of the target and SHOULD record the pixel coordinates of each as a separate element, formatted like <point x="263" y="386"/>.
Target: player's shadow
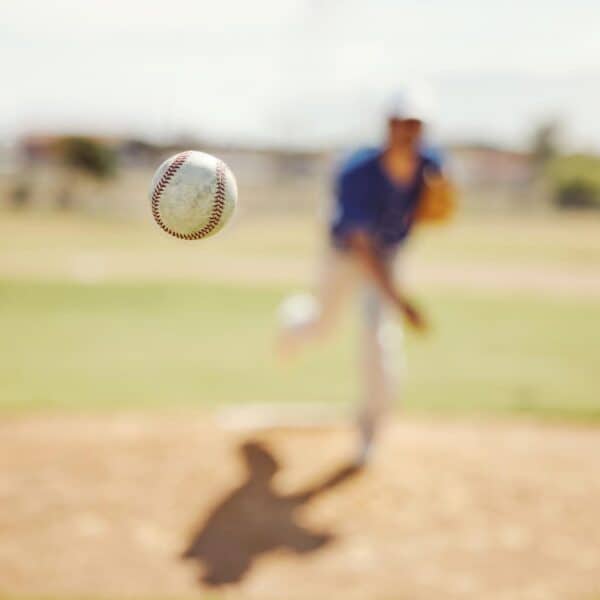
<point x="255" y="519"/>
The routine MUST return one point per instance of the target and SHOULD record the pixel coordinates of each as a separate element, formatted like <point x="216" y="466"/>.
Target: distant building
<point x="481" y="166"/>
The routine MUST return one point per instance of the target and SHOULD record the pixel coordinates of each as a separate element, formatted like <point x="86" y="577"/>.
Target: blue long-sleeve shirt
<point x="367" y="200"/>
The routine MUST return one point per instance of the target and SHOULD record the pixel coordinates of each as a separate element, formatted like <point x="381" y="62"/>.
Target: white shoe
<point x="295" y="313"/>
<point x="297" y="310"/>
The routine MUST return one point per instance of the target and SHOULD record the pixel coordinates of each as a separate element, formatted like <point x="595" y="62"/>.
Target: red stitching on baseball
<point x="218" y="207"/>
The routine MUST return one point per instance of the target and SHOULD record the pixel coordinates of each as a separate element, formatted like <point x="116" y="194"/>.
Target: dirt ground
<point x="174" y="506"/>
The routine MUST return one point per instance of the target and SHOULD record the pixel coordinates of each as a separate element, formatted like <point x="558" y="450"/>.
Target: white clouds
<point x="73" y="17"/>
<point x="294" y="70"/>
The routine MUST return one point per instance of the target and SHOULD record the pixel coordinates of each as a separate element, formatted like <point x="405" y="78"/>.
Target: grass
<point x="570" y="241"/>
<point x="77" y="347"/>
<point x="100" y="315"/>
<point x="50" y="246"/>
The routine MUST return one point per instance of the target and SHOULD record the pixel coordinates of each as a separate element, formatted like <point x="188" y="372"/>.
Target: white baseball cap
<point x="410" y="103"/>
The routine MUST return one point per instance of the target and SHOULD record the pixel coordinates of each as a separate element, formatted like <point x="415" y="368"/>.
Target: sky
<point x="299" y="72"/>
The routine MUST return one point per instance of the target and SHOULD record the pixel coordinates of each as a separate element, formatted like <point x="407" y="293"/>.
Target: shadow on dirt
<point x="254" y="519"/>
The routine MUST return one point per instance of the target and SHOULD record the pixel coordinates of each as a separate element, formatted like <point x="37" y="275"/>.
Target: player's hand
<point x="413" y="316"/>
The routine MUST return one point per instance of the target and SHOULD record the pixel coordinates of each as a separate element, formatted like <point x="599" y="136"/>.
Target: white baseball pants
<point x="379" y="361"/>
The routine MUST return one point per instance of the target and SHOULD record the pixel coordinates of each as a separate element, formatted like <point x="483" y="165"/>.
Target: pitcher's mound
<point x="170" y="506"/>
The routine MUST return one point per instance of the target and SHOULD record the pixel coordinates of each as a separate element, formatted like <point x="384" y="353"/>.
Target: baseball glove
<point x="437" y="203"/>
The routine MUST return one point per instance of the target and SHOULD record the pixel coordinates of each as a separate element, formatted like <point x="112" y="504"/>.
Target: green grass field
<point x="129" y="342"/>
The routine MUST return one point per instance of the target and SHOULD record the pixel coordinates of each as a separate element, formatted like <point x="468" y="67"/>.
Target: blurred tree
<point x="89" y="155"/>
<point x="21" y="194"/>
<point x="578" y="193"/>
<point x="545" y="143"/>
<point x="82" y="156"/>
<point x="575" y="181"/>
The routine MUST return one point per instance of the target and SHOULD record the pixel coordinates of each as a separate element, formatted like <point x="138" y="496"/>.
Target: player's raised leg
<point x="307" y="316"/>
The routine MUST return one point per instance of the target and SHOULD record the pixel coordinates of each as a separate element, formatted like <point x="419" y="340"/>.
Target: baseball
<point x="193" y="195"/>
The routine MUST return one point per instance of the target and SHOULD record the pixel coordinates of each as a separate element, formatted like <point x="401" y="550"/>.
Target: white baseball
<point x="193" y="195"/>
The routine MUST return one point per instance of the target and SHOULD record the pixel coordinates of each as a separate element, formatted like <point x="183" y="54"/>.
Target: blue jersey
<point x="367" y="200"/>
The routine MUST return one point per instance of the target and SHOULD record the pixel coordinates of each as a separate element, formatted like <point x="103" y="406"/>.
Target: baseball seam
<point x="218" y="207"/>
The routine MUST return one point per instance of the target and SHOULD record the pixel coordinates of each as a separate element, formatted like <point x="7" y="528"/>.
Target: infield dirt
<point x="102" y="506"/>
